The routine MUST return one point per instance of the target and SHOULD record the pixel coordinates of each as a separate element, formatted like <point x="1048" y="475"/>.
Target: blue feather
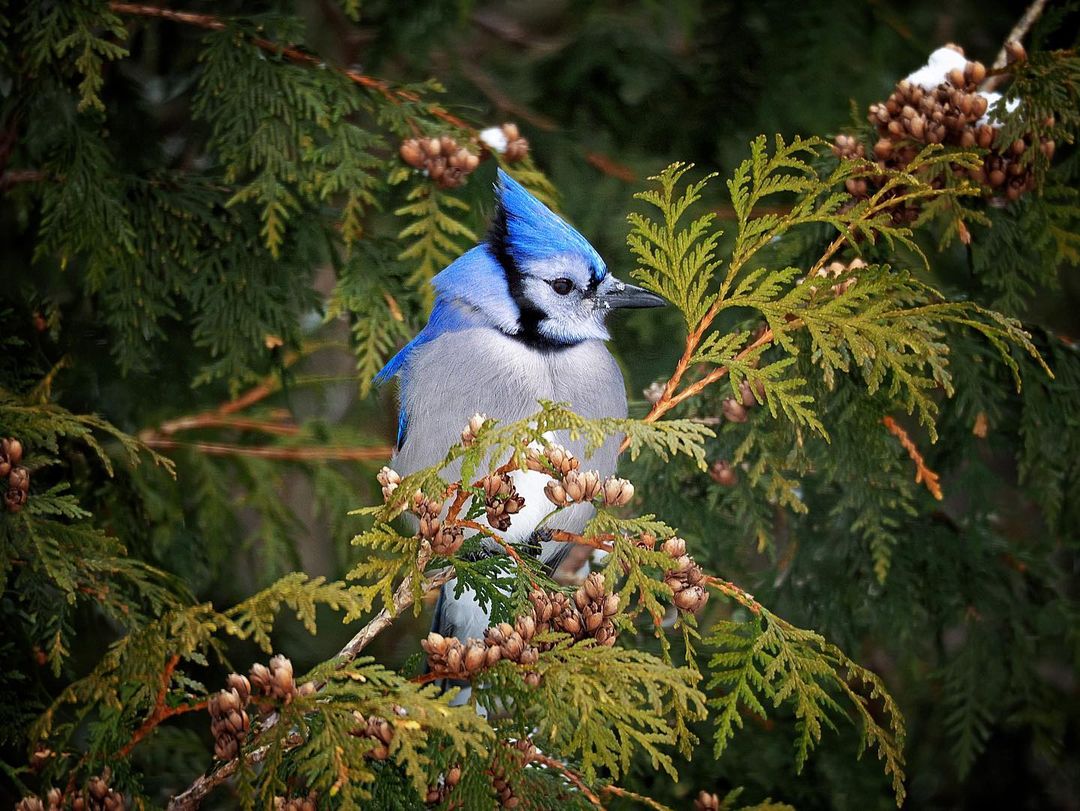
<point x="535" y="232"/>
<point x="402" y="427"/>
<point x="470" y="291"/>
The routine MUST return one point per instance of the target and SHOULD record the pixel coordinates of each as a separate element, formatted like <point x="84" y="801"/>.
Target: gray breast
<point x="483" y="370"/>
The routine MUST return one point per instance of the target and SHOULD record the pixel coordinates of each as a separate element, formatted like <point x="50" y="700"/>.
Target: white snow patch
<point x="494" y="139"/>
<point x="935" y="71"/>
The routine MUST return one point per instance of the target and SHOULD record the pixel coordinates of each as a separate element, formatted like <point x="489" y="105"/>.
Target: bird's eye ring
<point x="562" y="286"/>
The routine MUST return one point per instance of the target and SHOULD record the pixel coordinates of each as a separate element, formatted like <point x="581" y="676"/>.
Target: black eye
<point x="562" y="286"/>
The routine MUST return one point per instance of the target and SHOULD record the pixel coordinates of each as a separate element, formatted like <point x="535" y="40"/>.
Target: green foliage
<point x="885" y="323"/>
<point x="601" y="705"/>
<point x="84" y="35"/>
<point x="285" y="133"/>
<point x="368" y="300"/>
<point x="1046" y="93"/>
<point x="768" y="657"/>
<point x="383" y="571"/>
<point x="679" y="265"/>
<point x="435" y="236"/>
<point x="428" y="732"/>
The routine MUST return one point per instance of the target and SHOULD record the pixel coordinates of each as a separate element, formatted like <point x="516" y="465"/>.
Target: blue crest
<point x="535" y="232"/>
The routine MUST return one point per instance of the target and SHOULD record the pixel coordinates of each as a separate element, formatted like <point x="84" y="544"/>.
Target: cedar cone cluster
<point x="737" y="410"/>
<point x="504" y="789"/>
<point x="505" y="140"/>
<point x="18" y="486"/>
<point x="553" y="459"/>
<point x="685" y="580"/>
<point x="438" y="793"/>
<point x="229" y="720"/>
<point x="377" y="729"/>
<point x="54" y="801"/>
<point x="308" y="803"/>
<point x="275" y="684"/>
<point x="586" y="616"/>
<point x="572" y="485"/>
<point x="99" y="796"/>
<point x="723" y="473"/>
<point x="835" y="270"/>
<point x="476" y="422"/>
<point x="389" y="480"/>
<point x="447" y="163"/>
<point x="516" y="146"/>
<point x="706" y="801"/>
<point x="953" y="113"/>
<point x="445" y="539"/>
<point x="501" y="500"/>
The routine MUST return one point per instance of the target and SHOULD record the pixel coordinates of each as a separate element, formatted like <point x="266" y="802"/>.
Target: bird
<point x="517" y="319"/>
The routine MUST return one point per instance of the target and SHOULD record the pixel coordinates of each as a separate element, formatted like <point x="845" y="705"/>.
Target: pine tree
<point x="846" y="518"/>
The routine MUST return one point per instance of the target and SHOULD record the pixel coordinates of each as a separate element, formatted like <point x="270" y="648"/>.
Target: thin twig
<point x="610" y="167"/>
<point x="669" y="399"/>
<point x="1023" y="25"/>
<point x="539" y="757"/>
<point x="923" y="474"/>
<point x="299" y="453"/>
<point x="601" y="542"/>
<point x="214" y="420"/>
<point x="17" y="176"/>
<point x="403" y="598"/>
<point x="194" y="794"/>
<point x="626" y="794"/>
<point x="739" y="595"/>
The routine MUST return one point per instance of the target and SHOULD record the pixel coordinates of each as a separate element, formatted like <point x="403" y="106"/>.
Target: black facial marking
<point x="530" y="315"/>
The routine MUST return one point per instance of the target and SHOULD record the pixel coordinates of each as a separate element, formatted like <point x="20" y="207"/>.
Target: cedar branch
<point x="392" y="94"/>
<point x="194" y="794"/>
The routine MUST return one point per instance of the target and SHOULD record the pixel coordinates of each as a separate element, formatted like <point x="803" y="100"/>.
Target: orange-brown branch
<point x="923" y="474"/>
<point x="741" y="596"/>
<point x="625" y="794"/>
<point x="160" y="711"/>
<point x="488" y="532"/>
<point x="669" y="398"/>
<point x="602" y="542"/>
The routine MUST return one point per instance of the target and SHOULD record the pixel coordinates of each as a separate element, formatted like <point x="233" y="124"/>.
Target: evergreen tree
<point x="847" y="518"/>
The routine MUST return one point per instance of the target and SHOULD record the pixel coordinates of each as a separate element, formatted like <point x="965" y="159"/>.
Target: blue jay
<point x="517" y="319"/>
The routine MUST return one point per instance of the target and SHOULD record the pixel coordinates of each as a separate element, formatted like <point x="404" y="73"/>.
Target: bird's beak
<point x="629" y="296"/>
